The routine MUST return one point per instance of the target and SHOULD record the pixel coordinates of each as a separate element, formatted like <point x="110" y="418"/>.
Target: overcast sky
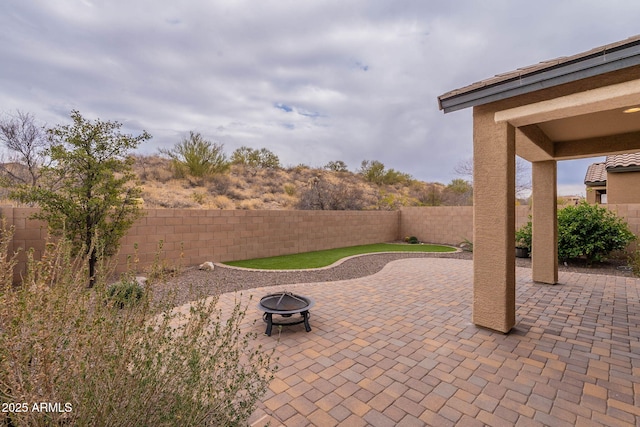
<point x="311" y="80"/>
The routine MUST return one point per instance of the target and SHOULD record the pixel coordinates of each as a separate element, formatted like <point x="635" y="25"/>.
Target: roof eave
<point x="619" y="169"/>
<point x="603" y="62"/>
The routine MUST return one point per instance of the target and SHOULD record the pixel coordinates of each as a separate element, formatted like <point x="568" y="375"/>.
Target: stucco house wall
<point x="623" y="187"/>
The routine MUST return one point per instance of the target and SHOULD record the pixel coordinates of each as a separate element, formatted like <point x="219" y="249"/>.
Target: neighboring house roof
<point x="600" y="60"/>
<point x="596" y="175"/>
<point x="628" y="162"/>
<point x="597" y="172"/>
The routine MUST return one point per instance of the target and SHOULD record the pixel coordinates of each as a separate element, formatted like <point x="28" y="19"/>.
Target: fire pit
<point x="285" y="304"/>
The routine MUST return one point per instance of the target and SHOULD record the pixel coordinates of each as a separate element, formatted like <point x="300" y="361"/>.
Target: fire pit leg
<point x="268" y="317"/>
<point x="305" y="315"/>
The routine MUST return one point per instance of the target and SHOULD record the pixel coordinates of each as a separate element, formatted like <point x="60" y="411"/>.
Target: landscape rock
<point x="207" y="266"/>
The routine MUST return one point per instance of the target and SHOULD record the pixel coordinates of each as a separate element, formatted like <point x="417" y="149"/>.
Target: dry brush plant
<point x="95" y="363"/>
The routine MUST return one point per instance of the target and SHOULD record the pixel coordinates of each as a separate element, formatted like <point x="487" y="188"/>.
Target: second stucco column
<point x="493" y="222"/>
<point x="544" y="251"/>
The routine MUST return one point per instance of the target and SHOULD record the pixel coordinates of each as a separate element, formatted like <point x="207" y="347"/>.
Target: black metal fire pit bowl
<point x="285" y="304"/>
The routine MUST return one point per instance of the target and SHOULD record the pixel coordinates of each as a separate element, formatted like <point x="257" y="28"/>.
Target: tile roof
<point x="619" y="161"/>
<point x="596" y="174"/>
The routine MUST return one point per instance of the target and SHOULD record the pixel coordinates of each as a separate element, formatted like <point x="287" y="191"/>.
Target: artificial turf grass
<point x="327" y="257"/>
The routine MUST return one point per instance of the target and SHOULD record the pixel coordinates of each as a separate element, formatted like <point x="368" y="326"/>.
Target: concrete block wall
<point x="631" y="213"/>
<point x="446" y="224"/>
<point x="195" y="236"/>
<point x="438" y="224"/>
<point x="28" y="234"/>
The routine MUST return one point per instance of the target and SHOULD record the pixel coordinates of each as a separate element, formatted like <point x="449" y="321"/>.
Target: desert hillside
<point x="300" y="187"/>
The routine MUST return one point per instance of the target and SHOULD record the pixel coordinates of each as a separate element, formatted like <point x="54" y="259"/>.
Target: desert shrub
<point x="250" y="204"/>
<point x="223" y="202"/>
<point x="152" y="168"/>
<point x="591" y="231"/>
<point x="322" y="194"/>
<point x="255" y="159"/>
<point x="289" y="189"/>
<point x="375" y="172"/>
<point x="220" y="184"/>
<point x="458" y="192"/>
<point x="588" y="231"/>
<point x="168" y="202"/>
<point x="125" y="293"/>
<point x="268" y="197"/>
<point x="336" y="166"/>
<point x="238" y="193"/>
<point x="146" y="364"/>
<point x="199" y="197"/>
<point x="197" y="157"/>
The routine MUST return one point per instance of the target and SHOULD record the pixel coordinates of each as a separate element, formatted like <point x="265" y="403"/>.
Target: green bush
<point x="148" y="365"/>
<point x="586" y="230"/>
<point x="125" y="293"/>
<point x="523" y="236"/>
<point x="591" y="231"/>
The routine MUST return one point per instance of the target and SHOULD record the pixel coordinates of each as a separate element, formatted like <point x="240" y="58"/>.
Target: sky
<point x="311" y="80"/>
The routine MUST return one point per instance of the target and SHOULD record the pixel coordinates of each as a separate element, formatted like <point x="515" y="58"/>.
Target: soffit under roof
<point x="593" y="125"/>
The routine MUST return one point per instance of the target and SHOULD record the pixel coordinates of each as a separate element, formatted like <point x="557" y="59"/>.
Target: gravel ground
<point x="192" y="283"/>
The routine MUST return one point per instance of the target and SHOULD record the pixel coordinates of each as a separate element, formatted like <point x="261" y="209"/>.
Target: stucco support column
<point x="494" y="304"/>
<point x="544" y="251"/>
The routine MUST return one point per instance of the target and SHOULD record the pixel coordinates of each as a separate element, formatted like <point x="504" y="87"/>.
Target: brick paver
<point x="399" y="348"/>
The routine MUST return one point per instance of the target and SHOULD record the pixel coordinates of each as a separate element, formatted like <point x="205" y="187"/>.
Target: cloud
<point x="311" y="81"/>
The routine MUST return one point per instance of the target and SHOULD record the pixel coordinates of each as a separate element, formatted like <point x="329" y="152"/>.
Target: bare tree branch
<point x="464" y="168"/>
<point x="28" y="143"/>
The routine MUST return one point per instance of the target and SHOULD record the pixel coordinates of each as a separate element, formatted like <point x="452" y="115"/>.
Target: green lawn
<point x="327" y="257"/>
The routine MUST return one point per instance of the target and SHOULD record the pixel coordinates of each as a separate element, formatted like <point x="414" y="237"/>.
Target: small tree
<point x="28" y="143"/>
<point x="197" y="157"/>
<point x="98" y="200"/>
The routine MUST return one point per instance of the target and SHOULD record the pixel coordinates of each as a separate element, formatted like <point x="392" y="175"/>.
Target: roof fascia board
<point x="601" y="63"/>
<point x="620" y="169"/>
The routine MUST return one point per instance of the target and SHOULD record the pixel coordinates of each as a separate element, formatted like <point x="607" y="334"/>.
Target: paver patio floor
<point x="398" y="349"/>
